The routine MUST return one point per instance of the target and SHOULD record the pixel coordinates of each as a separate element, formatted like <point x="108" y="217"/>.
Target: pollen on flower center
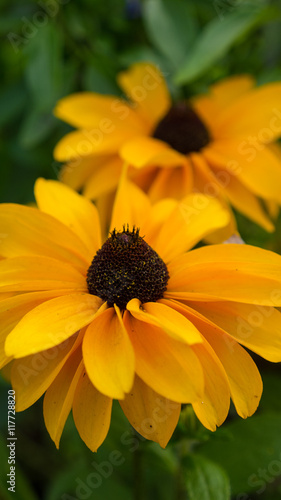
<point x="126" y="267"/>
<point x="182" y="129"/>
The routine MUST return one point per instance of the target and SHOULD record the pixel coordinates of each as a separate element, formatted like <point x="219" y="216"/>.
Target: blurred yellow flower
<point x="222" y="143"/>
<point x="137" y="317"/>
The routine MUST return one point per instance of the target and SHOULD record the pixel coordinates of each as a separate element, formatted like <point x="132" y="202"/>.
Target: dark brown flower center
<point x="182" y="129"/>
<point x="126" y="267"/>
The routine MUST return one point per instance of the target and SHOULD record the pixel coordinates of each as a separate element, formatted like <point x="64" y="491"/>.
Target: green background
<point x="48" y="50"/>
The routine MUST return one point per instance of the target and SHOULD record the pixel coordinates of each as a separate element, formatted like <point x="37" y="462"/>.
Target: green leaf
<point x="35" y="128"/>
<point x="44" y="73"/>
<point x="271" y="386"/>
<point x="95" y="80"/>
<point x="215" y="40"/>
<point x="170" y="26"/>
<point x="160" y="472"/>
<point x="96" y="479"/>
<point x="249" y="453"/>
<point x="205" y="479"/>
<point x="12" y="102"/>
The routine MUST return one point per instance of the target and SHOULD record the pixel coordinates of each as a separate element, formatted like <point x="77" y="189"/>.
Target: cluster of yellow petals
<point x="58" y="339"/>
<point x="240" y="164"/>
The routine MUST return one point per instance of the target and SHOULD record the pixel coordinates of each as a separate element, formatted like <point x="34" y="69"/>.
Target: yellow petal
<point x="6" y="372"/>
<point x="213" y="408"/>
<point x="256" y="327"/>
<point x="272" y="208"/>
<point x="88" y="110"/>
<point x="146" y="151"/>
<point x="158" y="214"/>
<point x="161" y="315"/>
<point x="108" y="355"/>
<point x="76" y="173"/>
<point x="193" y="219"/>
<point x="73" y="210"/>
<point x="32" y="375"/>
<point x="7" y="295"/>
<point x="4" y="360"/>
<point x="243" y="376"/>
<point x="153" y="416"/>
<point x="222" y="94"/>
<point x="103" y="179"/>
<point x="173" y="182"/>
<point x="215" y="180"/>
<point x="59" y="396"/>
<point x="206" y="182"/>
<point x="241" y="273"/>
<point x="28" y="274"/>
<point x="91" y="412"/>
<point x="27" y="231"/>
<point x="51" y="323"/>
<point x="259" y="170"/>
<point x="205" y="179"/>
<point x="246" y="202"/>
<point x="82" y="143"/>
<point x="169" y="367"/>
<point x="229" y="231"/>
<point x="105" y="205"/>
<point x="131" y="205"/>
<point x="262" y="105"/>
<point x="228" y="90"/>
<point x="144" y="85"/>
<point x="143" y="177"/>
<point x="207" y="109"/>
<point x="13" y="309"/>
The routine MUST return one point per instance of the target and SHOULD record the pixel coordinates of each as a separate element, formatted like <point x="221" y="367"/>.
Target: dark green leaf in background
<point x="95" y="80"/>
<point x="171" y="26"/>
<point x="215" y="40"/>
<point x="44" y="71"/>
<point x="36" y="128"/>
<point x="12" y="102"/>
<point x="205" y="480"/>
<point x="251" y="454"/>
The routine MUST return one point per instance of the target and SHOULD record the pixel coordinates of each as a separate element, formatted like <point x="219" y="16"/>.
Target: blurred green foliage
<point x="51" y="48"/>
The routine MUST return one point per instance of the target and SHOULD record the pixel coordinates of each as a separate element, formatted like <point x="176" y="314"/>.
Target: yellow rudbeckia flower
<point x="222" y="143"/>
<point x="137" y="317"/>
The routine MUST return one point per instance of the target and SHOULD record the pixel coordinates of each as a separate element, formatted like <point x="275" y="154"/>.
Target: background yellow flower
<point x="222" y="143"/>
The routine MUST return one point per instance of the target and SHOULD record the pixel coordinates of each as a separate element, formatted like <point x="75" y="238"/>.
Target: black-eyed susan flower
<point x="137" y="317"/>
<point x="222" y="143"/>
